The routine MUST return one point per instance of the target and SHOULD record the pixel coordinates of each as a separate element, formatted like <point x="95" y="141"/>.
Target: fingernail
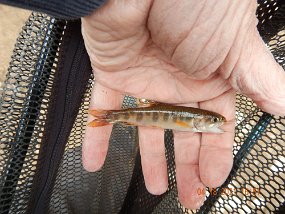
<point x="92" y="167"/>
<point x="157" y="187"/>
<point x="195" y="197"/>
<point x="157" y="182"/>
<point x="92" y="164"/>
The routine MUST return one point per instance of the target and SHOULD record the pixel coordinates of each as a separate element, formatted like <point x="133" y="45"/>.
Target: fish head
<point x="210" y="123"/>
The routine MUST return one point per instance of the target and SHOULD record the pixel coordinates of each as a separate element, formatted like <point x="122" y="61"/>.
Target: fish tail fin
<point x="101" y="118"/>
<point x="98" y="123"/>
<point x="99" y="114"/>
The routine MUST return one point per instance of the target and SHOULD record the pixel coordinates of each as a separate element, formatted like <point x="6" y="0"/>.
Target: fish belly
<point x="159" y="120"/>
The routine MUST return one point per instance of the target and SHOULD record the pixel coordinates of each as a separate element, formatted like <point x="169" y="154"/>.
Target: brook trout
<point x="178" y="118"/>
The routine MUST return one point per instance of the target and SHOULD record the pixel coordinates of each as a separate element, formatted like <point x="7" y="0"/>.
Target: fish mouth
<point x="217" y="127"/>
<point x="213" y="128"/>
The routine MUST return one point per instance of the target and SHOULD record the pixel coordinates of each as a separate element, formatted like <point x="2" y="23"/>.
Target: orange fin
<point x="97" y="123"/>
<point x="100" y="118"/>
<point x="181" y="123"/>
<point x="127" y="124"/>
<point x="146" y="103"/>
<point x="100" y="114"/>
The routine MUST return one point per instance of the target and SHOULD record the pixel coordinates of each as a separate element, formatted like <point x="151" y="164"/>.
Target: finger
<point x="259" y="76"/>
<point x="187" y="146"/>
<point x="96" y="140"/>
<point x="216" y="158"/>
<point x="189" y="185"/>
<point x="151" y="141"/>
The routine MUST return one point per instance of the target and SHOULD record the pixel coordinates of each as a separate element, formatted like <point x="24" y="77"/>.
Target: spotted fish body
<point x="178" y="118"/>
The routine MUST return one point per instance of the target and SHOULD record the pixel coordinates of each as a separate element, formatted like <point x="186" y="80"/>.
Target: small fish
<point x="164" y="116"/>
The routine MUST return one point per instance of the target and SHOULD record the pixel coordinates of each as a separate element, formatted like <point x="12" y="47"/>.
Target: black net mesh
<point x="23" y="106"/>
<point x="39" y="174"/>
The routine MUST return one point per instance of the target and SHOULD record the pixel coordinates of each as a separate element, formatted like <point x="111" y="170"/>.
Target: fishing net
<point x="43" y="110"/>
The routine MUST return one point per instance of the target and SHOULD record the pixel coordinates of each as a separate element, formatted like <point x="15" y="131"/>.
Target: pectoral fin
<point x="182" y="124"/>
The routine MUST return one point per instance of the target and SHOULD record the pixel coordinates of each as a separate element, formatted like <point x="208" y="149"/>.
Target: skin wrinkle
<point x="230" y="73"/>
<point x="199" y="55"/>
<point x="116" y="41"/>
<point x="168" y="38"/>
<point x="187" y="33"/>
<point x="107" y="36"/>
<point x="241" y="75"/>
<point x="113" y="36"/>
<point x="164" y="16"/>
<point x="118" y="80"/>
<point x="142" y="90"/>
<point x="206" y="74"/>
<point x="234" y="74"/>
<point x="265" y="87"/>
<point x="186" y="157"/>
<point x="106" y="82"/>
<point x="152" y="82"/>
<point x="150" y="77"/>
<point x="151" y="50"/>
<point x="182" y="85"/>
<point x="178" y="90"/>
<point x="99" y="61"/>
<point x="216" y="57"/>
<point x="153" y="154"/>
<point x="189" y="70"/>
<point x="116" y="54"/>
<point x="217" y="146"/>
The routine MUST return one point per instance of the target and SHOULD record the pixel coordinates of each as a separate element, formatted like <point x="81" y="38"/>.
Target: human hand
<point x="193" y="53"/>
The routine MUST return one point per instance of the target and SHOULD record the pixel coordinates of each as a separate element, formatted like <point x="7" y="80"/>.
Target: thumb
<point x="258" y="76"/>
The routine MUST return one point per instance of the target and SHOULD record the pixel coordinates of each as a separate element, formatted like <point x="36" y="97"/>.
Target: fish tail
<point x="99" y="114"/>
<point x="101" y="118"/>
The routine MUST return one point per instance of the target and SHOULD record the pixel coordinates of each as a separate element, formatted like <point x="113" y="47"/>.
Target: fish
<point x="166" y="116"/>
